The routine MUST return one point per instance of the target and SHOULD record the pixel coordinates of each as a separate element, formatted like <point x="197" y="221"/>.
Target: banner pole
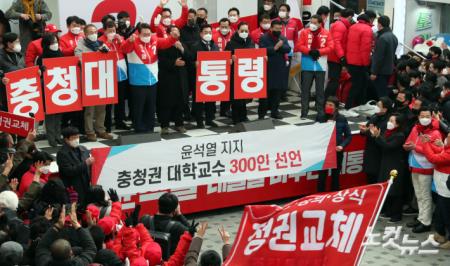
<point x="393" y="174"/>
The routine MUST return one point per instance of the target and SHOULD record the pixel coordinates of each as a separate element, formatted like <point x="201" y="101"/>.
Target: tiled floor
<point x="230" y="218"/>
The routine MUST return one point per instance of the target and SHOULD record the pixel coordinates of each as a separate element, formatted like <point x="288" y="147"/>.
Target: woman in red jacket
<point x="439" y="155"/>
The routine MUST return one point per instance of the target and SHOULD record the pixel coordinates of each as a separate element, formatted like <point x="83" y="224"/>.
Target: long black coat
<point x="372" y="152"/>
<point x="73" y="170"/>
<point x="237" y="42"/>
<point x="277" y="70"/>
<point x="173" y="82"/>
<point x="393" y="157"/>
<point x="383" y="58"/>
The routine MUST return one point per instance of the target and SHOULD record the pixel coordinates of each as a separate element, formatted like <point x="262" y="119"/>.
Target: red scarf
<point x="315" y="45"/>
<point x="422" y="129"/>
<point x="389" y="132"/>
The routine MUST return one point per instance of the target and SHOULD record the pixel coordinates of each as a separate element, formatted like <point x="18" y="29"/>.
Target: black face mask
<point x="200" y="21"/>
<point x="191" y="22"/>
<point x="276" y="33"/>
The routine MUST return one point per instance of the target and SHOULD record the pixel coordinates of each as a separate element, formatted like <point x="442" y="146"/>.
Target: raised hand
<point x="224" y="235"/>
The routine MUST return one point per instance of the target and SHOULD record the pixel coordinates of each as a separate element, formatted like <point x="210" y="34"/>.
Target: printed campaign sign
<point x="24" y="93"/>
<point x="324" y="229"/>
<point x="213" y="76"/>
<point x="62" y="85"/>
<point x="16" y="124"/>
<point x="191" y="162"/>
<point x="250" y="74"/>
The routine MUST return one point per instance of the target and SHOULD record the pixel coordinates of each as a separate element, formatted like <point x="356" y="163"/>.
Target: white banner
<point x="214" y="159"/>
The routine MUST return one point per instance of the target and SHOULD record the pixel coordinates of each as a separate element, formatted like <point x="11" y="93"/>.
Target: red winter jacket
<point x="339" y="32"/>
<point x="305" y="41"/>
<point x="359" y="44"/>
<point x="439" y="157"/>
<point x="256" y="34"/>
<point x="160" y="30"/>
<point x="27" y="179"/>
<point x="221" y="40"/>
<point x="68" y="42"/>
<point x="290" y="29"/>
<point x="34" y="50"/>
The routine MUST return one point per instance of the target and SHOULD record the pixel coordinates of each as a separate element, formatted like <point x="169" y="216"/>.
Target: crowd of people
<point x="62" y="219"/>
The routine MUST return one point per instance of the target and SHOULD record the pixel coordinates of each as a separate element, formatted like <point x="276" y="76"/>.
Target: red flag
<point x="16" y="124"/>
<point x="62" y="85"/>
<point x="99" y="78"/>
<point x="322" y="229"/>
<point x="24" y="93"/>
<point x="213" y="72"/>
<point x="250" y="74"/>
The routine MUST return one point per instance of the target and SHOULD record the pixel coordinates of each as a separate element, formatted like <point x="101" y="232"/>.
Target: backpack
<point x="162" y="238"/>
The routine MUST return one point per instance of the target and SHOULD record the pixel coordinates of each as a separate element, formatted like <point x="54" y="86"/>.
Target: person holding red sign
<point x="209" y="108"/>
<point x="114" y="43"/>
<point x="277" y="70"/>
<point x="34" y="49"/>
<point x="10" y="60"/>
<point x="142" y="51"/>
<point x="222" y="37"/>
<point x="50" y="49"/>
<point x="88" y="45"/>
<point x="162" y="18"/>
<point x="240" y="40"/>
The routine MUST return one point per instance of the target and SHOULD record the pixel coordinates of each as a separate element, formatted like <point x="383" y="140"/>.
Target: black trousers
<point x="321" y="182"/>
<point x="393" y="206"/>
<point x="119" y="108"/>
<point x="442" y="216"/>
<point x="239" y="110"/>
<point x="358" y="91"/>
<point x="307" y="80"/>
<point x="168" y="113"/>
<point x="381" y="85"/>
<point x="334" y="73"/>
<point x="224" y="107"/>
<point x="272" y="102"/>
<point x="144" y="108"/>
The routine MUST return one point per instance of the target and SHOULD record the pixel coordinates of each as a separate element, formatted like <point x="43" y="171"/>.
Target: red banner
<point x="24" y="93"/>
<point x="322" y="229"/>
<point x="250" y="78"/>
<point x="213" y="72"/>
<point x="16" y="124"/>
<point x="99" y="78"/>
<point x="62" y="85"/>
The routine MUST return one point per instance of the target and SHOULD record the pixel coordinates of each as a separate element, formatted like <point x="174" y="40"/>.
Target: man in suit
<point x="74" y="161"/>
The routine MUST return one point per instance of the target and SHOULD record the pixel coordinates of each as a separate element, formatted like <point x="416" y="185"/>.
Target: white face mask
<point x="267" y="7"/>
<point x="313" y="27"/>
<point x="282" y="14"/>
<point x="390" y="125"/>
<point x="145" y="39"/>
<point x="233" y="19"/>
<point x="224" y="31"/>
<point x="127" y="23"/>
<point x="75" y="30"/>
<point x="412" y="83"/>
<point x="243" y="35"/>
<point x="443" y="94"/>
<point x="265" y="26"/>
<point x="45" y="169"/>
<point x="167" y="21"/>
<point x="425" y="121"/>
<point x="92" y="37"/>
<point x="54" y="47"/>
<point x="17" y="48"/>
<point x="445" y="71"/>
<point x="207" y="37"/>
<point x="111" y="36"/>
<point x="74" y="143"/>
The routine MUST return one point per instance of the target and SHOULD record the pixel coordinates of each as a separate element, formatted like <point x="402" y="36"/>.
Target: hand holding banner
<point x="250" y="74"/>
<point x="213" y="72"/>
<point x="99" y="78"/>
<point x="323" y="229"/>
<point x="24" y="93"/>
<point x="62" y="85"/>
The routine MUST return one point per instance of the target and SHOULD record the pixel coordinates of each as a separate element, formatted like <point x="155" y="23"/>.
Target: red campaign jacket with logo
<point x="143" y="59"/>
<point x="34" y="50"/>
<point x="359" y="44"/>
<point x="339" y="32"/>
<point x="256" y="34"/>
<point x="220" y="40"/>
<point x="440" y="157"/>
<point x="304" y="46"/>
<point x="160" y="30"/>
<point x="68" y="42"/>
<point x="116" y="46"/>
